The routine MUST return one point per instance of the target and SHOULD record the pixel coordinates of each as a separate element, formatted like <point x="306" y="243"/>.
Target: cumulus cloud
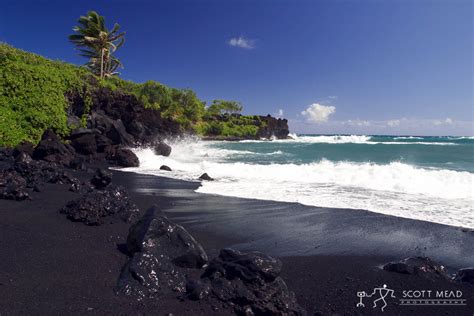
<point x="357" y="122"/>
<point x="447" y="121"/>
<point x="393" y="123"/>
<point x="279" y="113"/>
<point x="241" y="42"/>
<point x="318" y="113"/>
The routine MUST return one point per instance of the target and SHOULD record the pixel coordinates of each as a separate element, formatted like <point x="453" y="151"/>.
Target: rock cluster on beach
<point x="96" y="205"/>
<point x="165" y="259"/>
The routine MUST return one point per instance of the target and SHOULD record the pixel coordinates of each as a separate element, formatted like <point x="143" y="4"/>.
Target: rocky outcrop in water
<point x="206" y="177"/>
<point x="162" y="149"/>
<point x="273" y="127"/>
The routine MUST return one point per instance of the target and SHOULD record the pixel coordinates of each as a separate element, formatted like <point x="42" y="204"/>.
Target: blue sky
<point x="379" y="67"/>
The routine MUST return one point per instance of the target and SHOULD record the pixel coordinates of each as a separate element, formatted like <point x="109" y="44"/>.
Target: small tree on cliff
<point x="98" y="44"/>
<point x="219" y="107"/>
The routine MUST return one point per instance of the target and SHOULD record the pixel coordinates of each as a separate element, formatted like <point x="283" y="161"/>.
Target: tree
<point x="98" y="44"/>
<point x="219" y="107"/>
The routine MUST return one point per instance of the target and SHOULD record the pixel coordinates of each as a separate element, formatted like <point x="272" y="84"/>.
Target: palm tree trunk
<point x="102" y="63"/>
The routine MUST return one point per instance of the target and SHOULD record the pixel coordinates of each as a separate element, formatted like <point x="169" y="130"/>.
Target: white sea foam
<point x="443" y="196"/>
<point x="408" y="137"/>
<point x="349" y="139"/>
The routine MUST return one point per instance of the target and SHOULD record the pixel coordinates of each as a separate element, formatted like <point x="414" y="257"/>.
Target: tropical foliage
<point x="97" y="43"/>
<point x="219" y="107"/>
<point x="35" y="95"/>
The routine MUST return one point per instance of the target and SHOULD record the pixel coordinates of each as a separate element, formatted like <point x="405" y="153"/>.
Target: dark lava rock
<point x="156" y="234"/>
<point x="37" y="173"/>
<point x="146" y="275"/>
<point x="465" y="276"/>
<point x="25" y="148"/>
<point x="162" y="149"/>
<point x="144" y="124"/>
<point x="52" y="149"/>
<point x="94" y="206"/>
<point x="77" y="163"/>
<point x="84" y="141"/>
<point x="273" y="127"/>
<point x="166" y="168"/>
<point x="206" y="177"/>
<point x="12" y="186"/>
<point x="161" y="252"/>
<point x="249" y="267"/>
<point x="118" y="134"/>
<point x="248" y="281"/>
<point x="417" y="266"/>
<point x="101" y="179"/>
<point x="123" y="157"/>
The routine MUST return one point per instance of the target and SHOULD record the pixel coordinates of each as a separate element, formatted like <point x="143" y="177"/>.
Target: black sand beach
<point x="53" y="266"/>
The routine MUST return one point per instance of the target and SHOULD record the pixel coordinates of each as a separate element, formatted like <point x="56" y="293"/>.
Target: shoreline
<point x="53" y="265"/>
<point x="344" y="231"/>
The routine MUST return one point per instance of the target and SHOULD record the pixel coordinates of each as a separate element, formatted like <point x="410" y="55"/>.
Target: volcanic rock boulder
<point x="162" y="149"/>
<point x="162" y="253"/>
<point x="156" y="234"/>
<point x="23" y="151"/>
<point x="95" y="206"/>
<point x="423" y="266"/>
<point x="37" y="173"/>
<point x="165" y="168"/>
<point x="465" y="276"/>
<point x="206" y="177"/>
<point x="101" y="179"/>
<point x="84" y="141"/>
<point x="51" y="149"/>
<point x="12" y="186"/>
<point x="248" y="282"/>
<point x="123" y="157"/>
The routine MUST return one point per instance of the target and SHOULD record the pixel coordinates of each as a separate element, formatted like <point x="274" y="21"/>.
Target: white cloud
<point x="241" y="42"/>
<point x="279" y="113"/>
<point x="357" y="122"/>
<point x="447" y="121"/>
<point x="393" y="123"/>
<point x="318" y="113"/>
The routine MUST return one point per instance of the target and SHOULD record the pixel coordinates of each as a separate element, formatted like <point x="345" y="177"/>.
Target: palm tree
<point x="97" y="43"/>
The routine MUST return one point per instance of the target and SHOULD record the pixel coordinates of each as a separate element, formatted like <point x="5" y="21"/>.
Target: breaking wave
<point x="399" y="189"/>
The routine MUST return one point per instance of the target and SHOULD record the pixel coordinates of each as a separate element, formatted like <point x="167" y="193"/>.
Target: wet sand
<point x="53" y="266"/>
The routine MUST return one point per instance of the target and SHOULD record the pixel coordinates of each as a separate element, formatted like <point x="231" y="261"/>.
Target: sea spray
<point x="396" y="187"/>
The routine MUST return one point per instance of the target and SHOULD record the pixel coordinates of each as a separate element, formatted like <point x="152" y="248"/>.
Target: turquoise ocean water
<point x="425" y="178"/>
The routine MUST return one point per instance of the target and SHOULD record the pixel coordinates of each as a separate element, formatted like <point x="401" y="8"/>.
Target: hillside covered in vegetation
<point x="37" y="93"/>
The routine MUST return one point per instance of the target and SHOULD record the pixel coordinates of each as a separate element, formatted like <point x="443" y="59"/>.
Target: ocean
<point x="423" y="178"/>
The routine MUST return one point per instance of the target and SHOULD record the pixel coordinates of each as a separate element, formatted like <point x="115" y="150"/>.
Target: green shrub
<point x="32" y="94"/>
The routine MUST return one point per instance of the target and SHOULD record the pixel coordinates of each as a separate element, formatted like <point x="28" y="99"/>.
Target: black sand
<point x="50" y="265"/>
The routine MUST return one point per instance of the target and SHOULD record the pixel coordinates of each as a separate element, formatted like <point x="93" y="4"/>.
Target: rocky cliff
<point x="273" y="127"/>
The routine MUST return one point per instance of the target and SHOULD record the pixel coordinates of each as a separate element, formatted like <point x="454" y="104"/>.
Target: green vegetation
<point x="230" y="126"/>
<point x="35" y="92"/>
<point x="219" y="107"/>
<point x="97" y="43"/>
